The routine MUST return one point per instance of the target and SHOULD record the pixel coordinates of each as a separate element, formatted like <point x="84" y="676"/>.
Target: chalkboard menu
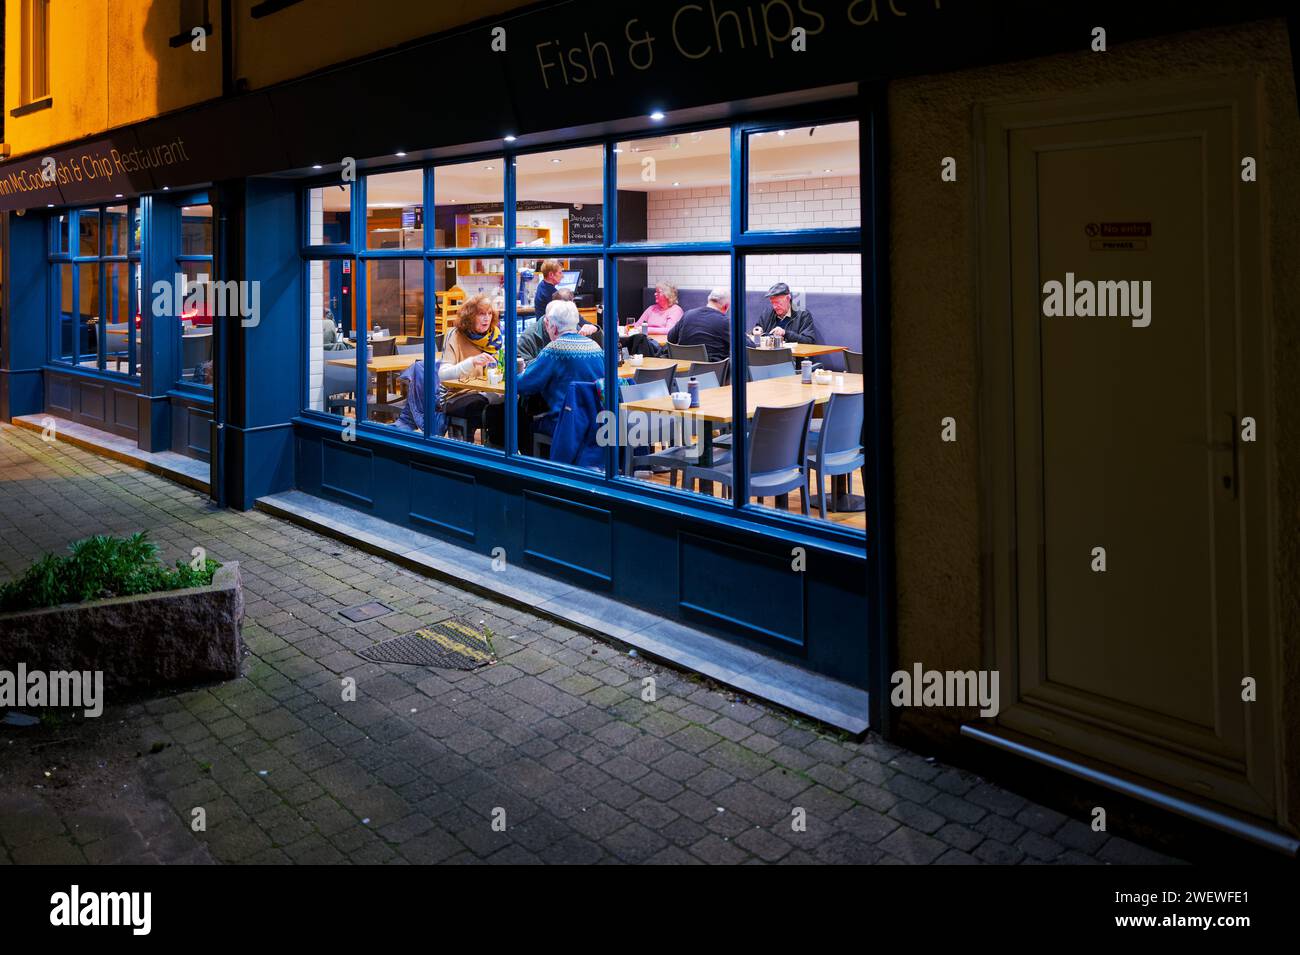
<point x="585" y="224"/>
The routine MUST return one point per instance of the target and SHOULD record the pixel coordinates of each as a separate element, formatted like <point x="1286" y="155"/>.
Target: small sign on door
<point x="1117" y="236"/>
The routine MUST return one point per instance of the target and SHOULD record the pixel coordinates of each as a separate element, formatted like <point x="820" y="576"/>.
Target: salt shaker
<point x="806" y="369"/>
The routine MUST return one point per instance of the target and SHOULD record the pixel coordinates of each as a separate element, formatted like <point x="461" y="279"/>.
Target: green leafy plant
<point x="99" y="567"/>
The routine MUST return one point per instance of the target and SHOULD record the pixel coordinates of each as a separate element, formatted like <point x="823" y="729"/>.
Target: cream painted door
<point x="1128" y="439"/>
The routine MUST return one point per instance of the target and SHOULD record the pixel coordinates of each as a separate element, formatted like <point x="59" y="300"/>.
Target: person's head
<point x="778" y="296"/>
<point x="665" y="295"/>
<point x="477" y="316"/>
<point x="720" y="298"/>
<point x="563" y="294"/>
<point x="552" y="271"/>
<point x="561" y="317"/>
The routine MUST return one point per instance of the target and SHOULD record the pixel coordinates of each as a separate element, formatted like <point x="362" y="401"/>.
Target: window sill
<point x="33" y="107"/>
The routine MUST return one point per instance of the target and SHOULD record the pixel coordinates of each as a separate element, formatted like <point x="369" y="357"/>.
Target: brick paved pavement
<point x="556" y="733"/>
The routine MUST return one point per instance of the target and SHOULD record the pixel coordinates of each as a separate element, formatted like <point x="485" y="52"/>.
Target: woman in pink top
<point x="660" y="317"/>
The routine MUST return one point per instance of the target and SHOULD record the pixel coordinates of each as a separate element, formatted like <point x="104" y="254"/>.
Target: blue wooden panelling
<point x="349" y="472"/>
<point x="443" y="500"/>
<point x="573" y="540"/>
<point x="90" y="404"/>
<point x="753" y="591"/>
<point x="59" y="396"/>
<point x="198" y="442"/>
<point x="126" y="409"/>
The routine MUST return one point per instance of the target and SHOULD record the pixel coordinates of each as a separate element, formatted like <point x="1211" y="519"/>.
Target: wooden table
<point x="384" y="367"/>
<point x="715" y="403"/>
<point x="625" y="370"/>
<point x="804" y="350"/>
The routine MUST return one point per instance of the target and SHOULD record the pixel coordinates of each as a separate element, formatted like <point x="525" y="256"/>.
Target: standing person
<point x="707" y="325"/>
<point x="477" y="332"/>
<point x="552" y="273"/>
<point x="785" y="322"/>
<point x="571" y="356"/>
<point x="660" y="317"/>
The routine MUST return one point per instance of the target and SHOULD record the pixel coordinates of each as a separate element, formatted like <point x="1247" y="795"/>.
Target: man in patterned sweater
<point x="569" y="357"/>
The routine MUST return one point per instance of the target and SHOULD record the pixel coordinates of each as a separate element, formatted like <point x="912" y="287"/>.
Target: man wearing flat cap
<point x="784" y="321"/>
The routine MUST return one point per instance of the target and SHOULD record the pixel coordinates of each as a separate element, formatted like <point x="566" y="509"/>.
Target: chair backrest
<point x="644" y="375"/>
<point x="768" y="356"/>
<point x="339" y="380"/>
<point x="411" y="349"/>
<point x="705" y="380"/>
<point x="760" y="372"/>
<point x="650" y="389"/>
<point x="718" y="368"/>
<point x="413" y="340"/>
<point x="339" y="355"/>
<point x="779" y="438"/>
<point x="529" y="323"/>
<point x="842" y="426"/>
<point x="195" y="350"/>
<point x="853" y="362"/>
<point x="383" y="347"/>
<point x="688" y="352"/>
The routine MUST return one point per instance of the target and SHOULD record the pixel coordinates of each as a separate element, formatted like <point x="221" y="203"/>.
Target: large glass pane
<point x="803" y="313"/>
<point x="121" y="321"/>
<point x="579" y="280"/>
<point x="471" y="350"/>
<point x="395" y="324"/>
<point x="65" y="342"/>
<point x="88" y="315"/>
<point x="804" y="178"/>
<point x="196" y="327"/>
<point x="561" y="374"/>
<point x="331" y="350"/>
<point x="196" y="230"/>
<point x="59" y="234"/>
<point x="675" y="188"/>
<point x="329" y="215"/>
<point x="558" y="197"/>
<point x="395" y="210"/>
<point x="88" y="227"/>
<point x="469" y="205"/>
<point x="674" y="332"/>
<point x="117" y="230"/>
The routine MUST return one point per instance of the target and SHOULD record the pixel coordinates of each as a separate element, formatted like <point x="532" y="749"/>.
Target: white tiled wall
<point x="703" y="214"/>
<point x="316" y="336"/>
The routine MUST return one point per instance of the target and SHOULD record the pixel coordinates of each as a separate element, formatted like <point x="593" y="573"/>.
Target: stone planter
<point x="175" y="637"/>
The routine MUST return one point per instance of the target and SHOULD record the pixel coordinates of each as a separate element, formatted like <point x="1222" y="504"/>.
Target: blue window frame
<point x="336" y="245"/>
<point x="97" y="316"/>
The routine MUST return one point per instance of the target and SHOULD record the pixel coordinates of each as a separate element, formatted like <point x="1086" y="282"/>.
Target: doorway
<point x="1126" y="504"/>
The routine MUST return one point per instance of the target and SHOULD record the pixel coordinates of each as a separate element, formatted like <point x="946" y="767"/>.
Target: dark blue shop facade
<point x="365" y="216"/>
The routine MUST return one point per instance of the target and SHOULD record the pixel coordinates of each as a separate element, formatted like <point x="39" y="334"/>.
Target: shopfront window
<point x="675" y="188"/>
<point x="96" y="289"/>
<point x="699" y="413"/>
<point x="195" y="263"/>
<point x="558" y="197"/>
<point x="804" y="177"/>
<point x="395" y="210"/>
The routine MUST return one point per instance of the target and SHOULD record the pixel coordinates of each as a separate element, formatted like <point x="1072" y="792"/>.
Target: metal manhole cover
<point x="448" y="645"/>
<point x="363" y="612"/>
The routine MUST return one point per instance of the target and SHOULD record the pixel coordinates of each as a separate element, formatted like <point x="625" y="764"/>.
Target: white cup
<point x="681" y="400"/>
<point x="839" y="382"/>
<point x="636" y="359"/>
<point x="494" y="376"/>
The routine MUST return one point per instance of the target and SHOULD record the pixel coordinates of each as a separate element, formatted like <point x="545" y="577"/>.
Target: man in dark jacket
<point x="784" y="321"/>
<point x="707" y="326"/>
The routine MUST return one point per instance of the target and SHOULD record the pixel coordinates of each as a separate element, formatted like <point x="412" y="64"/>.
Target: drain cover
<point x="447" y="645"/>
<point x="368" y="611"/>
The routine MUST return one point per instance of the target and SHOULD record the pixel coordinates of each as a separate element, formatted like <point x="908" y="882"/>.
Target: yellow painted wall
<point x="311" y="36"/>
<point x="111" y="63"/>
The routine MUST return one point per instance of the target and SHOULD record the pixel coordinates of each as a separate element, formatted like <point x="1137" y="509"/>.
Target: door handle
<point x="1230" y="480"/>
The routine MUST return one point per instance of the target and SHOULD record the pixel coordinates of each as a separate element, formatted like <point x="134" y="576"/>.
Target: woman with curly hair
<point x="473" y="343"/>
